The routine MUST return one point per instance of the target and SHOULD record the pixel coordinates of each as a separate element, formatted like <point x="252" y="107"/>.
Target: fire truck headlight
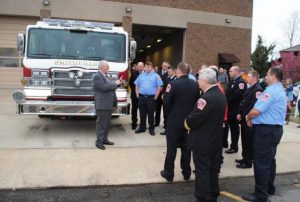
<point x="40" y="73"/>
<point x="71" y="75"/>
<point x="19" y="96"/>
<point x="80" y="74"/>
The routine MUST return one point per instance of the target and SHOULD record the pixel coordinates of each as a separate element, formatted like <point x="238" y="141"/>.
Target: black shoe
<point x="140" y="130"/>
<point x="152" y="133"/>
<point x="108" y="142"/>
<point x="244" y="165"/>
<point x="231" y="151"/>
<point x="168" y="178"/>
<point x="156" y="124"/>
<point x="225" y="146"/>
<point x="133" y="127"/>
<point x="298" y="126"/>
<point x="271" y="192"/>
<point x="239" y="160"/>
<point x="252" y="197"/>
<point x="100" y="146"/>
<point x="186" y="178"/>
<point x="163" y="133"/>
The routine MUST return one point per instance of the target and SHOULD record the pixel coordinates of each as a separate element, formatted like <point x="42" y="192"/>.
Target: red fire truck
<point x="60" y="58"/>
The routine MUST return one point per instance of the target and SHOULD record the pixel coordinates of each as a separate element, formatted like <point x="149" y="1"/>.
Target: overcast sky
<point x="269" y="17"/>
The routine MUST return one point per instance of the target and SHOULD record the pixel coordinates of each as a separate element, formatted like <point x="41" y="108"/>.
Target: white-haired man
<point x="205" y="123"/>
<point x="105" y="101"/>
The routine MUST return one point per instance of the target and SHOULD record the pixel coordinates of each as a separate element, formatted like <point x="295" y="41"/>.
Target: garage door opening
<point x="158" y="44"/>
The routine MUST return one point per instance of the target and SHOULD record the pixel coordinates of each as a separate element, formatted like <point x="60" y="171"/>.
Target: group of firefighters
<point x="198" y="112"/>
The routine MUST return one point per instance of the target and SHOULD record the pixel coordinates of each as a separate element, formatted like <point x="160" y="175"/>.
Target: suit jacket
<point x="206" y="122"/>
<point x="249" y="99"/>
<point x="104" y="92"/>
<point x="179" y="99"/>
<point x="234" y="95"/>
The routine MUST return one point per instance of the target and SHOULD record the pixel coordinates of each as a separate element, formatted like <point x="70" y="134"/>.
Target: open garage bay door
<point x="158" y="44"/>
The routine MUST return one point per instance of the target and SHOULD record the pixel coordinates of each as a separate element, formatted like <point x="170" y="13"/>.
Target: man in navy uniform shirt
<point x="249" y="98"/>
<point x="234" y="94"/>
<point x="134" y="101"/>
<point x="179" y="99"/>
<point x="267" y="117"/>
<point x="205" y="137"/>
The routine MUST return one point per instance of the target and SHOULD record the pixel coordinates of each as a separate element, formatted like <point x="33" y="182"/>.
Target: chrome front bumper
<point x="66" y="108"/>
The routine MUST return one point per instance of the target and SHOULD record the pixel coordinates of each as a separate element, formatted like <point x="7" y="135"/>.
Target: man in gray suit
<point x="105" y="101"/>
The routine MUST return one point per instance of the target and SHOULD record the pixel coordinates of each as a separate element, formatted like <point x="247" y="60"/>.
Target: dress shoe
<point x="271" y="192"/>
<point x="152" y="133"/>
<point x="133" y="127"/>
<point x="186" y="178"/>
<point x="231" y="151"/>
<point x="163" y="133"/>
<point x="100" y="146"/>
<point x="108" y="142"/>
<point x="156" y="124"/>
<point x="140" y="130"/>
<point x="168" y="178"/>
<point x="244" y="165"/>
<point x="252" y="197"/>
<point x="239" y="160"/>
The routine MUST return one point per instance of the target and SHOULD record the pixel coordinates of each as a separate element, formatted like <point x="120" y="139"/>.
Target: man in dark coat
<point x="205" y="123"/>
<point x="171" y="77"/>
<point x="179" y="99"/>
<point x="234" y="94"/>
<point x="134" y="100"/>
<point x="163" y="73"/>
<point x="249" y="98"/>
<point x="105" y="101"/>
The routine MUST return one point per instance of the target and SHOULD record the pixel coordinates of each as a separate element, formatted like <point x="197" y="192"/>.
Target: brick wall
<point x="231" y="7"/>
<point x="204" y="42"/>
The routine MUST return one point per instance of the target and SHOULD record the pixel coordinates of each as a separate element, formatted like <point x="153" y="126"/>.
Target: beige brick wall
<point x="232" y="7"/>
<point x="10" y="77"/>
<point x="204" y="42"/>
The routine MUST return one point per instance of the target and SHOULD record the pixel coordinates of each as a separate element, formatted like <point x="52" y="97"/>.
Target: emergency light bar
<point x="77" y="23"/>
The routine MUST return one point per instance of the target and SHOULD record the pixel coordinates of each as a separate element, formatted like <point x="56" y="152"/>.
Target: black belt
<point x="267" y="125"/>
<point x="146" y="95"/>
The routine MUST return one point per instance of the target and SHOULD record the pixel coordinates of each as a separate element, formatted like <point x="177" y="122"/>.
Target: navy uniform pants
<point x="147" y="106"/>
<point x="247" y="134"/>
<point x="266" y="139"/>
<point x="177" y="137"/>
<point x="234" y="127"/>
<point x="207" y="178"/>
<point x="134" y="110"/>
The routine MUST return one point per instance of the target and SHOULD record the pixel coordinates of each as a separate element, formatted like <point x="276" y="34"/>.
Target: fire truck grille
<point x="70" y="83"/>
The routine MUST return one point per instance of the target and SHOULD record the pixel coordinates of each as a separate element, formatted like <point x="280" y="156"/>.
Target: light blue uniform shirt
<point x="148" y="83"/>
<point x="272" y="104"/>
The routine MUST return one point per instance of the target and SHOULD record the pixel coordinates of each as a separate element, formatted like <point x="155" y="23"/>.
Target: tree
<point x="260" y="58"/>
<point x="292" y="29"/>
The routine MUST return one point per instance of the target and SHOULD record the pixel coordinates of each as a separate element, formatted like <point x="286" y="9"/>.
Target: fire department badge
<point x="241" y="86"/>
<point x="201" y="103"/>
<point x="168" y="88"/>
<point x="265" y="97"/>
<point x="257" y="94"/>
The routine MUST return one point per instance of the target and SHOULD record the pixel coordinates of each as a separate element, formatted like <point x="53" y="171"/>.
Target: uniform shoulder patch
<point x="241" y="86"/>
<point x="265" y="97"/>
<point x="201" y="104"/>
<point x="168" y="88"/>
<point x="257" y="94"/>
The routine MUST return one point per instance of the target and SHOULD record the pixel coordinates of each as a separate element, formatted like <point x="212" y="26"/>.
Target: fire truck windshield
<point x="76" y="44"/>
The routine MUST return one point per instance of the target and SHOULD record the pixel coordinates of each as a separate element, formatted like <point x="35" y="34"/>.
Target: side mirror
<point x="21" y="43"/>
<point x="132" y="49"/>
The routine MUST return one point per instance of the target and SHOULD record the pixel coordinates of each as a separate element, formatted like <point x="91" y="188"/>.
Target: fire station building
<point x="196" y="31"/>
